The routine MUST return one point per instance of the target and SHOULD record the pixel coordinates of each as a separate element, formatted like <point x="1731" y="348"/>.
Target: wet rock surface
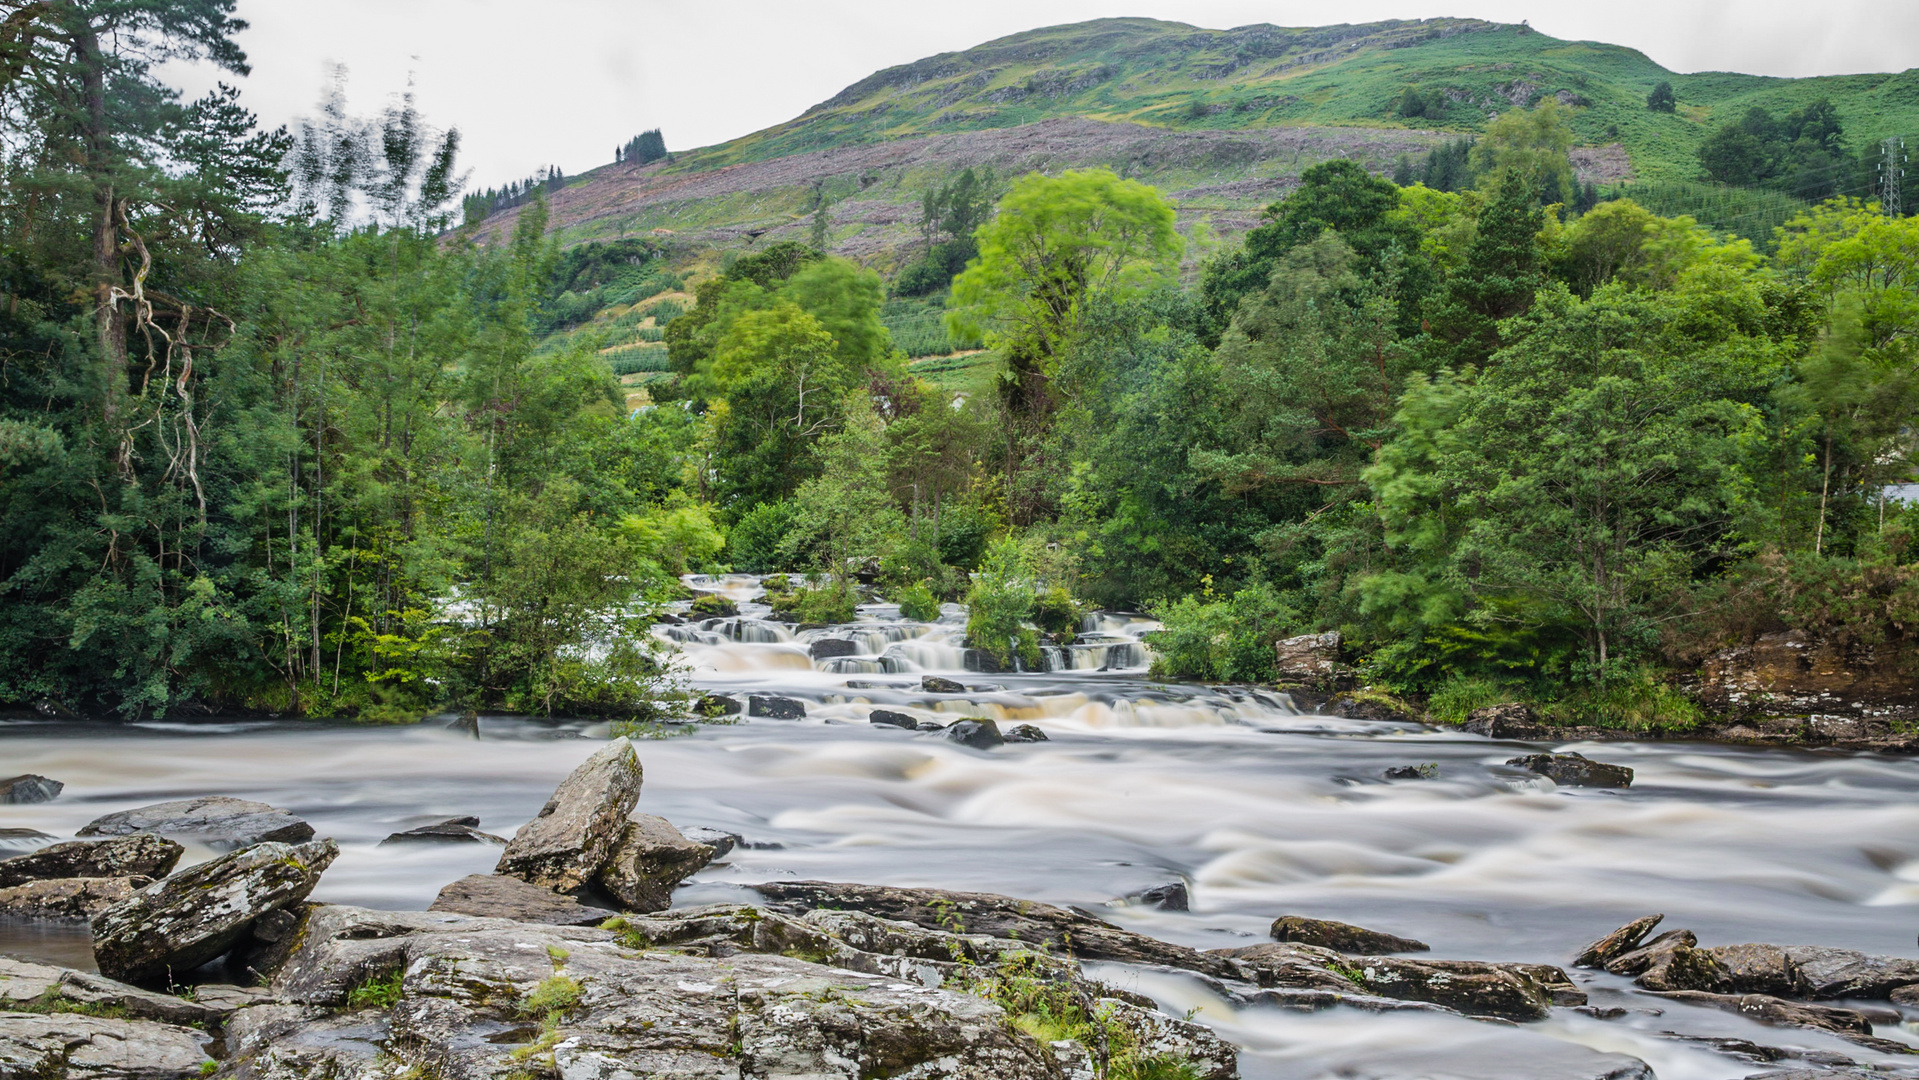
<point x="1171" y="896"/>
<point x="1341" y="937"/>
<point x="197" y="915"/>
<point x="1575" y="770"/>
<point x="976" y="732"/>
<point x="1618" y="943"/>
<point x="217" y="820"/>
<point x="649" y="862"/>
<point x="500" y="897"/>
<point x="30" y="788"/>
<point x="1026" y="733"/>
<point x="78" y="1047"/>
<point x="140" y="855"/>
<point x="933" y="684"/>
<point x="68" y="898"/>
<point x="889" y="718"/>
<point x="564" y="847"/>
<point x="771" y="707"/>
<point x="460" y="830"/>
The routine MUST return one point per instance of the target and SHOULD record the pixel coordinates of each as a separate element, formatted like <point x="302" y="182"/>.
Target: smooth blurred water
<point x="1264" y="811"/>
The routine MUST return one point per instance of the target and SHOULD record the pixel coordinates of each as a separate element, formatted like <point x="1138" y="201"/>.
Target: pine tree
<point x="1502" y="271"/>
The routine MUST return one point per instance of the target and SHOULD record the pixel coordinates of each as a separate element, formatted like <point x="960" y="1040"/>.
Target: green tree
<point x="1536" y="143"/>
<point x="1502" y="268"/>
<point x="1661" y="99"/>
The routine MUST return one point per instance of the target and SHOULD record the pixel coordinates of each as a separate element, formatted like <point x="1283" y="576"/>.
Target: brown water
<point x="1263" y="810"/>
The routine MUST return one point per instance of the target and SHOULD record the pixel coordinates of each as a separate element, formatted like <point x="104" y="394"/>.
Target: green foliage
<point x="554" y="994"/>
<point x="757" y="543"/>
<point x="378" y="991"/>
<point x="918" y="603"/>
<point x="1223" y="640"/>
<point x="1533" y="143"/>
<point x="1057" y="613"/>
<point x="1803" y="155"/>
<point x="830" y="603"/>
<point x="1662" y="98"/>
<point x="999" y="604"/>
<point x="1461" y="694"/>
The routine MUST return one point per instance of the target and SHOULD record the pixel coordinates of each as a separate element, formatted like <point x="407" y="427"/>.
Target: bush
<point x="1056" y="612"/>
<point x="1221" y="640"/>
<point x="1459" y="695"/>
<point x="1637" y="700"/>
<point x="998" y="605"/>
<point x="753" y="545"/>
<point x="831" y="603"/>
<point x="965" y="530"/>
<point x="918" y="603"/>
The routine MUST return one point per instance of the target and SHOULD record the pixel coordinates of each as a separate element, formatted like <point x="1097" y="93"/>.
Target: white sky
<point x="563" y="81"/>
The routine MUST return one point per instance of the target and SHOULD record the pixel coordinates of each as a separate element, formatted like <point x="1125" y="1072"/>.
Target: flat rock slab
<point x="140" y="855"/>
<point x="1342" y="937"/>
<point x="1575" y="770"/>
<point x="574" y="835"/>
<point x="217" y="820"/>
<point x="1618" y="943"/>
<point x="30" y="788"/>
<point x="68" y="898"/>
<point x="497" y="896"/>
<point x="197" y="915"/>
<point x="22" y="981"/>
<point x="651" y="860"/>
<point x="451" y="831"/>
<point x="1843" y="973"/>
<point x="68" y="1046"/>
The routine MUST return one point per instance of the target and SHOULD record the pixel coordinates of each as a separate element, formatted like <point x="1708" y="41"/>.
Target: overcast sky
<point x="562" y="81"/>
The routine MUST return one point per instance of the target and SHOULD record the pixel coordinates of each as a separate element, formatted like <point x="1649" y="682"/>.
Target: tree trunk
<point x="108" y="326"/>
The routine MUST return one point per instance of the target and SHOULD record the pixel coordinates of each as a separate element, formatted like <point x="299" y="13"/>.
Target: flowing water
<point x="1263" y="809"/>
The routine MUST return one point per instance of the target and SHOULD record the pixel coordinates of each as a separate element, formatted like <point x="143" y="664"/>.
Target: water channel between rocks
<point x="1262" y="809"/>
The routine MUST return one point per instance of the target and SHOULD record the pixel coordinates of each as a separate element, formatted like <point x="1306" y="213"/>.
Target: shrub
<point x="753" y="545"/>
<point x="1056" y="612"/>
<point x="1227" y="640"/>
<point x="831" y="603"/>
<point x="998" y="605"/>
<point x="377" y="992"/>
<point x="918" y="603"/>
<point x="1459" y="695"/>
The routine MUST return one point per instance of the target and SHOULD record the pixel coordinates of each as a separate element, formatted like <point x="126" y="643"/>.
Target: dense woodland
<point x="276" y="434"/>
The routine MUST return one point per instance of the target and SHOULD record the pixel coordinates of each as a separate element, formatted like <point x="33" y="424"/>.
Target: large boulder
<point x="1574" y="770"/>
<point x="216" y="820"/>
<point x="978" y="732"/>
<point x="1341" y="937"/>
<point x="140" y="855"/>
<point x="497" y="896"/>
<point x="197" y="915"/>
<point x="775" y="707"/>
<point x="576" y="831"/>
<point x="934" y="684"/>
<point x="68" y="898"/>
<point x="1512" y="720"/>
<point x="72" y="1046"/>
<point x="1311" y="660"/>
<point x="30" y="788"/>
<point x="651" y="859"/>
<point x="1843" y="973"/>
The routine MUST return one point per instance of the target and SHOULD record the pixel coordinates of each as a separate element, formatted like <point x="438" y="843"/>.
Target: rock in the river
<point x="1673" y="961"/>
<point x="71" y="1046"/>
<point x="1026" y="733"/>
<point x="496" y="896"/>
<point x="37" y="986"/>
<point x="1843" y="973"/>
<point x="714" y="706"/>
<point x="1760" y="969"/>
<point x="218" y="820"/>
<point x="933" y="684"/>
<point x="30" y="789"/>
<point x="1171" y="896"/>
<point x="889" y="718"/>
<point x="772" y="707"/>
<point x="719" y="840"/>
<point x="1779" y="1012"/>
<point x="1341" y="937"/>
<point x="1907" y="996"/>
<point x="196" y="915"/>
<point x="1468" y="987"/>
<point x="1575" y="770"/>
<point x="140" y="855"/>
<point x="68" y="898"/>
<point x="977" y="732"/>
<point x="1428" y="771"/>
<point x="564" y="847"/>
<point x="828" y="648"/>
<point x="1311" y="660"/>
<point x="651" y="859"/>
<point x="459" y="830"/>
<point x="1618" y="943"/>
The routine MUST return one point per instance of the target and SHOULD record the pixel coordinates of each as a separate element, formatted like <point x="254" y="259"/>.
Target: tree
<point x="1536" y="143"/>
<point x="847" y="513"/>
<point x="1502" y="268"/>
<point x="1661" y="99"/>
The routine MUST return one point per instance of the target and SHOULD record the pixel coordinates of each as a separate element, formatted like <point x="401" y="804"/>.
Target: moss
<point x="51" y="1003"/>
<point x="554" y="995"/>
<point x="377" y="991"/>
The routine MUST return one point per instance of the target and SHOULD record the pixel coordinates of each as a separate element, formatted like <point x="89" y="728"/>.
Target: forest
<point x="277" y="433"/>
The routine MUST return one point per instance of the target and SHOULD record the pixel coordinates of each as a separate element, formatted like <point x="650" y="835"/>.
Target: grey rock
<point x="140" y="855"/>
<point x="1159" y="1035"/>
<point x="218" y="820"/>
<point x="1026" y="733"/>
<point x="1907" y="996"/>
<point x="1843" y="973"/>
<point x="497" y="896"/>
<point x="721" y="841"/>
<point x="1341" y="937"/>
<point x="651" y="859"/>
<point x="1673" y="961"/>
<point x="564" y="847"/>
<point x="1311" y="660"/>
<point x="69" y="1046"/>
<point x="460" y="830"/>
<point x="1468" y="987"/>
<point x="1411" y="772"/>
<point x="1760" y="969"/>
<point x="1618" y="943"/>
<point x="1575" y="770"/>
<point x="773" y="707"/>
<point x="176" y="925"/>
<point x="1171" y="896"/>
<point x="295" y="1042"/>
<point x="888" y="718"/>
<point x="828" y="648"/>
<point x="68" y="898"/>
<point x="1779" y="1012"/>
<point x="23" y="982"/>
<point x="977" y="732"/>
<point x="933" y="684"/>
<point x="226" y="998"/>
<point x="30" y="788"/>
<point x="1512" y="720"/>
<point x="713" y="706"/>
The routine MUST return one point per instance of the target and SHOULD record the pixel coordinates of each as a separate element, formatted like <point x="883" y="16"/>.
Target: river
<point x="1263" y="809"/>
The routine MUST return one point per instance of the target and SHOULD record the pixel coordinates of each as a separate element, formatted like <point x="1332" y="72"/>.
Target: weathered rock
<point x="1760" y="969"/>
<point x="1843" y="973"/>
<point x="70" y="1046"/>
<point x="719" y="840"/>
<point x="772" y="707"/>
<point x="68" y="898"/>
<point x="140" y="855"/>
<point x="1672" y="961"/>
<point x="651" y="859"/>
<point x="1907" y="996"/>
<point x="977" y="732"/>
<point x="564" y="847"/>
<point x="217" y="820"/>
<point x="889" y="718"/>
<point x="1575" y="770"/>
<point x="1311" y="660"/>
<point x="40" y="985"/>
<point x="1341" y="937"/>
<point x="226" y="997"/>
<point x="713" y="706"/>
<point x="1036" y="924"/>
<point x="1618" y="943"/>
<point x="299" y="1042"/>
<point x="828" y="648"/>
<point x="1779" y="1012"/>
<point x="1162" y="1036"/>
<point x="497" y="896"/>
<point x="1791" y="689"/>
<point x="1512" y="720"/>
<point x="459" y="830"/>
<point x="1469" y="987"/>
<point x="1026" y="733"/>
<point x="1411" y="772"/>
<point x="30" y="788"/>
<point x="1171" y="896"/>
<point x="933" y="684"/>
<point x="196" y="915"/>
